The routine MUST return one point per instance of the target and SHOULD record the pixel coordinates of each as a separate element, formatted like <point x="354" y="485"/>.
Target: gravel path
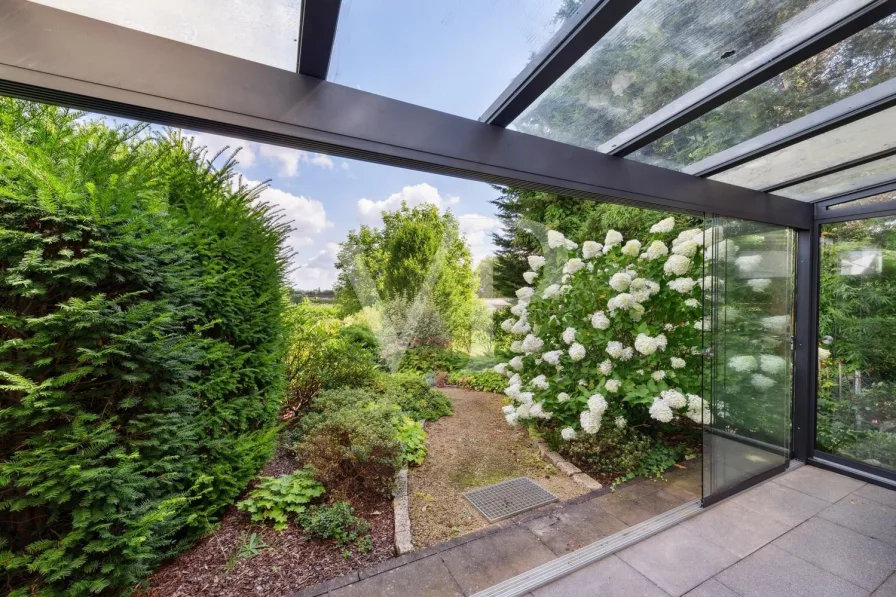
<point x="472" y="448"/>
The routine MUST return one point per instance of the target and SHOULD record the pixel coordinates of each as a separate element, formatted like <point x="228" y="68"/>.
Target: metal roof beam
<point x="316" y="36"/>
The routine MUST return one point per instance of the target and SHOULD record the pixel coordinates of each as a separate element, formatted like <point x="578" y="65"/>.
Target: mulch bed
<point x="289" y="562"/>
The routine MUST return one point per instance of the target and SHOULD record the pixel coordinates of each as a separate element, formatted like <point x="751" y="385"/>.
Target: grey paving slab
<point x="781" y="503"/>
<point x="428" y="577"/>
<point x="677" y="560"/>
<point x="636" y="503"/>
<point x="489" y="560"/>
<point x="888" y="589"/>
<point x="850" y="555"/>
<point x="773" y="572"/>
<point x="887" y="497"/>
<point x="574" y="526"/>
<point x="736" y="528"/>
<point x="822" y="484"/>
<point x="712" y="588"/>
<point x="610" y="577"/>
<point x="865" y="516"/>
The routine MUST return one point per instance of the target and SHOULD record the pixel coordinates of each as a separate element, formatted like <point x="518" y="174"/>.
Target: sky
<point x="452" y="55"/>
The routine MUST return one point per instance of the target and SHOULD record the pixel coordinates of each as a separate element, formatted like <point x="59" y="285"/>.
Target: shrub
<point x="412" y="437"/>
<point x="337" y="521"/>
<point x="414" y="396"/>
<point x="482" y="381"/>
<point x="275" y="498"/>
<point x="613" y="452"/>
<point x="355" y="450"/>
<point x="426" y="359"/>
<point x="141" y="362"/>
<point x="361" y="335"/>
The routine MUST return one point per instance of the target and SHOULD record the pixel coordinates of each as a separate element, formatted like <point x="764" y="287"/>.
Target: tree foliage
<point x="141" y="357"/>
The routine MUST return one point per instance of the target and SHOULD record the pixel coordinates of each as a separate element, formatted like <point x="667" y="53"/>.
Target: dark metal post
<point x="805" y="349"/>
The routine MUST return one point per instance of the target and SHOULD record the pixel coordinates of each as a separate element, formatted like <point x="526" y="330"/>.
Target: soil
<point x="289" y="562"/>
<point x="472" y="448"/>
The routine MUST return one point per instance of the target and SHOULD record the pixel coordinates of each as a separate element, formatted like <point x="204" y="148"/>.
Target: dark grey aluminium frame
<point x="317" y="34"/>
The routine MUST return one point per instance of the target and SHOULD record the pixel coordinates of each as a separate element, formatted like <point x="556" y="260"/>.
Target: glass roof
<point x="857" y="63"/>
<point x="858" y="139"/>
<point x="265" y="31"/>
<point x="456" y="56"/>
<point x="888" y="197"/>
<point x="847" y="181"/>
<point x="660" y="51"/>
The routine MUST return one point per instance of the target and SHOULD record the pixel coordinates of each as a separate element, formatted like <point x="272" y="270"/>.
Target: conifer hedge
<point x="142" y="346"/>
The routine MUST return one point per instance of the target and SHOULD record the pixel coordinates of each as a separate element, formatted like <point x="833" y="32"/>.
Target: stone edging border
<point x="567" y="468"/>
<point x="403" y="541"/>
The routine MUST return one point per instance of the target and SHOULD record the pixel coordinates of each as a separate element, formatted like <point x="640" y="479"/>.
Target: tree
<point x="417" y="257"/>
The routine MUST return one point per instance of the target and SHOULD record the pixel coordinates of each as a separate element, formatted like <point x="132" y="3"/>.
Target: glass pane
<point x="857" y="329"/>
<point x="265" y="31"/>
<point x="454" y="56"/>
<point x="751" y="291"/>
<point x="850" y="142"/>
<point x="855" y="64"/>
<point x="879" y="198"/>
<point x="854" y="179"/>
<point x="661" y="50"/>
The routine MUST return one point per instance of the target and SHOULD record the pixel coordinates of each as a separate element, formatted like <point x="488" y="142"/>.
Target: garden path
<point x="472" y="448"/>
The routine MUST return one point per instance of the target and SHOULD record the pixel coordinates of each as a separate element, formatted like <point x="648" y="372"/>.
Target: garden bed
<point x="289" y="562"/>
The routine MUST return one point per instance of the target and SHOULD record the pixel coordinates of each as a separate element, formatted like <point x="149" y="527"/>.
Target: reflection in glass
<point x="846" y="181"/>
<point x="857" y="359"/>
<point x="750" y="289"/>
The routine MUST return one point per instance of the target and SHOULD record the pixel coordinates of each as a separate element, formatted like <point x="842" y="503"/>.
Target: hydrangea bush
<point x="609" y="333"/>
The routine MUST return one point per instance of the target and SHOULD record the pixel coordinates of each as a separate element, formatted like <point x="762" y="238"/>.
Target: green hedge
<point x="141" y="364"/>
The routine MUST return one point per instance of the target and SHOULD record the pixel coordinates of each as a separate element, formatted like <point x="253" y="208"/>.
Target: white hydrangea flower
<point x="748" y="263"/>
<point x="556" y="239"/>
<point x="759" y="284"/>
<point x="507" y="324"/>
<point x="677" y="265"/>
<point x="520" y="328"/>
<point x="516" y="346"/>
<point x="698" y="410"/>
<point x="636" y="312"/>
<point x="620" y="281"/>
<point x="516" y="363"/>
<point x="613" y="385"/>
<point x="573" y="265"/>
<point x="525" y="398"/>
<point x="500" y="368"/>
<point x="823" y="354"/>
<point x="515" y="380"/>
<point x="620" y="422"/>
<point x="536" y="411"/>
<point x="571" y="245"/>
<point x="612" y="239"/>
<point x="682" y="285"/>
<point x="529" y="277"/>
<point x="640" y="372"/>
<point x="660" y="411"/>
<point x="590" y="424"/>
<point x="597" y="404"/>
<point x="627" y="353"/>
<point x="512" y="391"/>
<point x="614" y="349"/>
<point x="677" y="363"/>
<point x="673" y="398"/>
<point x="621" y="301"/>
<point x="632" y="248"/>
<point x="645" y="344"/>
<point x="743" y="364"/>
<point x="693" y="234"/>
<point x="606" y="367"/>
<point x="525" y="293"/>
<point x="656" y="250"/>
<point x="551" y="292"/>
<point x="761" y="382"/>
<point x="562" y="397"/>
<point x="532" y="343"/>
<point x="583" y="383"/>
<point x="535" y="262"/>
<point x="776" y="323"/>
<point x="658" y="375"/>
<point x="591" y="249"/>
<point x="576" y="352"/>
<point x="725" y="250"/>
<point x="508" y="408"/>
<point x="568" y="433"/>
<point x="540" y="382"/>
<point x="599" y="321"/>
<point x="524" y="411"/>
<point x="552" y="357"/>
<point x="692" y="303"/>
<point x="663" y="226"/>
<point x="644" y="285"/>
<point x="519" y="310"/>
<point x="687" y="248"/>
<point x="661" y="341"/>
<point x="569" y="335"/>
<point x="772" y="364"/>
<point x="512" y="419"/>
<point x="668" y="327"/>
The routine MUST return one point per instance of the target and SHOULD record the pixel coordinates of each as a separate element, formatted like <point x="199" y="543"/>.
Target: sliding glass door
<point x="748" y="372"/>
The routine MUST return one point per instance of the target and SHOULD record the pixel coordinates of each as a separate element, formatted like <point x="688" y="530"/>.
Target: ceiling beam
<point x="58" y="57"/>
<point x="825" y="208"/>
<point x="317" y="34"/>
<point x="816" y="33"/>
<point x="580" y="32"/>
<point x="886" y="153"/>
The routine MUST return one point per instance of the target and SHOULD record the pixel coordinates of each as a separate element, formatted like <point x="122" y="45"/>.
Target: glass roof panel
<point x="265" y="31"/>
<point x="847" y="181"/>
<point x="859" y="139"/>
<point x="660" y="51"/>
<point x="857" y="63"/>
<point x="456" y="56"/>
<point x="880" y="198"/>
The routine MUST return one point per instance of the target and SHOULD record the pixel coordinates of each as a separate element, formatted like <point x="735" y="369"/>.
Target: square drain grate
<point x="508" y="498"/>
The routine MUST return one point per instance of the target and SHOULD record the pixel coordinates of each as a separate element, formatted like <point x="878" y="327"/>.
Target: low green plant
<point x="482" y="381"/>
<point x="415" y="397"/>
<point x="251" y="547"/>
<point x="425" y="359"/>
<point x="275" y="498"/>
<point x="413" y="441"/>
<point x="336" y="521"/>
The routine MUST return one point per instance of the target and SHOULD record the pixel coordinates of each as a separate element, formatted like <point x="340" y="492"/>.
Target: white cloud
<point x="307" y="217"/>
<point x="215" y="143"/>
<point x="290" y="159"/>
<point x="370" y="212"/>
<point x="317" y="272"/>
<point x="478" y="230"/>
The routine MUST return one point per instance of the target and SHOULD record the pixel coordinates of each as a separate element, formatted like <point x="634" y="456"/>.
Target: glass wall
<point x="856" y="415"/>
<point x="748" y="372"/>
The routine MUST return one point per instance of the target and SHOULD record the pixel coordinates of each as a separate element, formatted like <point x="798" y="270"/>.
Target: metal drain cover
<point x="508" y="498"/>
